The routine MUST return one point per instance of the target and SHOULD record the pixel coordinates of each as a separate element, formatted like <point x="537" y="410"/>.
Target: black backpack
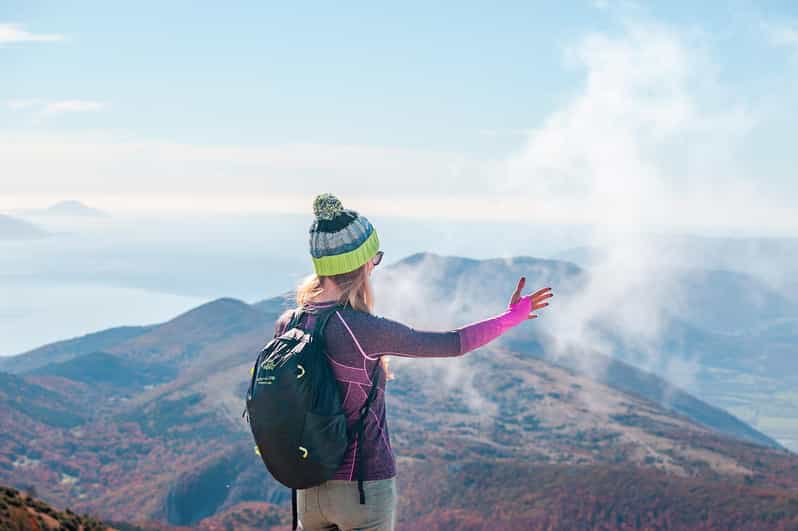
<point x="295" y="410"/>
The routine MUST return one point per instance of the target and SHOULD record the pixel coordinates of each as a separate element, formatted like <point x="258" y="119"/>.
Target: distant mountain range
<point x="143" y="423"/>
<point x="772" y="258"/>
<point x="16" y="229"/>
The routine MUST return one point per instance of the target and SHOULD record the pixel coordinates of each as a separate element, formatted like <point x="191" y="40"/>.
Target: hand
<point x="537" y="298"/>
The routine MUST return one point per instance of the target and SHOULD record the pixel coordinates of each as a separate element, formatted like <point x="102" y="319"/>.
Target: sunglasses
<point x="377" y="258"/>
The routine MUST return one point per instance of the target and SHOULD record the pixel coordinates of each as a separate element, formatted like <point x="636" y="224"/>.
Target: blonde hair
<point x="356" y="292"/>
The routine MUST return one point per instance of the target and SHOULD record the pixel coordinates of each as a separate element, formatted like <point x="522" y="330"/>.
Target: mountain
<point x="734" y="337"/>
<point x="211" y="332"/>
<point x="17" y="229"/>
<point x="502" y="438"/>
<point x="168" y="421"/>
<point x="73" y="208"/>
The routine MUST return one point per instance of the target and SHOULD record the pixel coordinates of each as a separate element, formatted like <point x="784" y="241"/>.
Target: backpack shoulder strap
<point x="294" y="514"/>
<point x="324" y="316"/>
<point x="361" y="424"/>
<point x="296" y="315"/>
<point x="323" y="313"/>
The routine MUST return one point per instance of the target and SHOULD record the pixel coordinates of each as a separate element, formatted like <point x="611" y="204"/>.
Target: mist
<point x="650" y="140"/>
<point x="647" y="153"/>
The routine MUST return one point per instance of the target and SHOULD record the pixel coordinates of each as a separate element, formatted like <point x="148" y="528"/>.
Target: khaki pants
<point x="335" y="505"/>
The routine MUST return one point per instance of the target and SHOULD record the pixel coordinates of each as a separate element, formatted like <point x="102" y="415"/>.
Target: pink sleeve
<point x="474" y="335"/>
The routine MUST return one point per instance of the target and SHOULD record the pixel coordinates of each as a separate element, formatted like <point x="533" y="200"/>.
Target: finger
<point x="532" y="316"/>
<point x="539" y="306"/>
<point x="517" y="293"/>
<point x="541" y="291"/>
<point x="543" y="297"/>
<point x="520" y="287"/>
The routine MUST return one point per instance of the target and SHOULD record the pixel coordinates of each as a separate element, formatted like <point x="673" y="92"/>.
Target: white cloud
<point x="12" y="33"/>
<point x="45" y="107"/>
<point x="783" y="33"/>
<point x="650" y="140"/>
<point x="106" y="165"/>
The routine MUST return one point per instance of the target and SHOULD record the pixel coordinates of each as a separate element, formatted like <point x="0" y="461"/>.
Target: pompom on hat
<point x="341" y="240"/>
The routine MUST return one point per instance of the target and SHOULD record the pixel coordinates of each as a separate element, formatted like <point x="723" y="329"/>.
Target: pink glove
<point x="474" y="335"/>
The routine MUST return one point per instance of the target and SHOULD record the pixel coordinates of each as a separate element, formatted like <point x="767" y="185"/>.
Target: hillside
<point x="109" y="372"/>
<point x="509" y="496"/>
<point x="171" y="446"/>
<point x="21" y="512"/>
<point x="535" y="414"/>
<point x="36" y="402"/>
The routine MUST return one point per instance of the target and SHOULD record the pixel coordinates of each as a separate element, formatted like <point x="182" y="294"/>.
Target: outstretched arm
<point x="382" y="336"/>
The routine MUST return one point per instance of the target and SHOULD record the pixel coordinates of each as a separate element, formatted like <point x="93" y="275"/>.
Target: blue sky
<point x="262" y="73"/>
<point x="439" y="107"/>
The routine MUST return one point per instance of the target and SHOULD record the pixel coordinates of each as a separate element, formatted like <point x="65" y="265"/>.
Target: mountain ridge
<point x="248" y="319"/>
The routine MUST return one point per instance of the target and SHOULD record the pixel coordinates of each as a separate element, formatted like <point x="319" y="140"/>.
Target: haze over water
<point x="136" y="270"/>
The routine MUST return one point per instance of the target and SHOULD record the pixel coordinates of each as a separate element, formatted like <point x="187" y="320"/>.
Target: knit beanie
<point x="341" y="240"/>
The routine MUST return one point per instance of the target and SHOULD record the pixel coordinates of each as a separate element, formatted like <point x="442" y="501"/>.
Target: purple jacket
<point x="355" y="341"/>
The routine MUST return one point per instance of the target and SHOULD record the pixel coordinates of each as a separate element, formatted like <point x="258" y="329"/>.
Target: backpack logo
<point x="265" y="380"/>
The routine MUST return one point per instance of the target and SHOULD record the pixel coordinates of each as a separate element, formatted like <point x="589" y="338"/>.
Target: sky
<point x="662" y="114"/>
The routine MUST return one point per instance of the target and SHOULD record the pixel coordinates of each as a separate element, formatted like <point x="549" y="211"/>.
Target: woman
<point x="345" y="249"/>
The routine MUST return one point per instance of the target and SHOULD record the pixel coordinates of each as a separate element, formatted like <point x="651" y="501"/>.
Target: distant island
<point x="74" y="208"/>
<point x="17" y="229"/>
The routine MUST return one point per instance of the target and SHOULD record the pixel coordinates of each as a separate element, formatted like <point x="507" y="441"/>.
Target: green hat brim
<point x="349" y="261"/>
